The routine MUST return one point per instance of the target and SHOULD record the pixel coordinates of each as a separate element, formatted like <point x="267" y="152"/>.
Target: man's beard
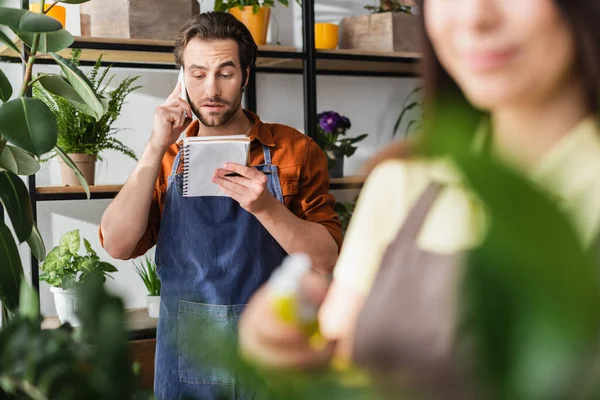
<point x="216" y="119"/>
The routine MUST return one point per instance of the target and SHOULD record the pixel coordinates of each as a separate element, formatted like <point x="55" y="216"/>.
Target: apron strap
<point x="267" y="154"/>
<point x="176" y="163"/>
<point x="417" y="215"/>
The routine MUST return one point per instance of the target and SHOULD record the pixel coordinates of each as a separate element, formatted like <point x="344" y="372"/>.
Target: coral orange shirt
<point x="302" y="168"/>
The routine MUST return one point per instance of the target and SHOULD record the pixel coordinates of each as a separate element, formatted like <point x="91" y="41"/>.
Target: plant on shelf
<point x="226" y="5"/>
<point x="331" y="126"/>
<point x="29" y="130"/>
<point x="413" y="108"/>
<point x="344" y="212"/>
<point x="64" y="269"/>
<point x="391" y="6"/>
<point x="146" y="269"/>
<point x="81" y="135"/>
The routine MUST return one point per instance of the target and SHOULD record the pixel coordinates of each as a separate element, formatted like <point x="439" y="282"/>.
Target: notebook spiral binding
<point x="186" y="168"/>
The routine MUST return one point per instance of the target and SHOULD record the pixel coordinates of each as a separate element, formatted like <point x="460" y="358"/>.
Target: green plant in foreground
<point x="81" y="133"/>
<point x="64" y="268"/>
<point x="146" y="269"/>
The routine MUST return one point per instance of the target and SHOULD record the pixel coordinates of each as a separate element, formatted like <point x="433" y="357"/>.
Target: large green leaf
<point x="52" y="261"/>
<point x="19" y="20"/>
<point x="106" y="267"/>
<point x="49" y="42"/>
<point x="15" y="198"/>
<point x="7" y="161"/>
<point x="57" y="85"/>
<point x="70" y="242"/>
<point x="11" y="269"/>
<point x="5" y="87"/>
<point x="36" y="244"/>
<point x="80" y="83"/>
<point x="30" y="303"/>
<point x="29" y="124"/>
<point x="26" y="163"/>
<point x="11" y="17"/>
<point x="6" y="40"/>
<point x="76" y="170"/>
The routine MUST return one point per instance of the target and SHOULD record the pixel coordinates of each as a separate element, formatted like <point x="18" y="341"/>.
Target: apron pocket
<point x="203" y="330"/>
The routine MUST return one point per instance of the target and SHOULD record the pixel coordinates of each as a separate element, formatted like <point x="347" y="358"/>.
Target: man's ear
<point x="247" y="78"/>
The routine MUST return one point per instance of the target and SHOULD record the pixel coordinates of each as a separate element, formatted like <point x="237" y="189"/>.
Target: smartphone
<point x="183" y="95"/>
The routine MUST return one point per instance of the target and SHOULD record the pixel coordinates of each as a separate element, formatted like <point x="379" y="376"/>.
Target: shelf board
<point x="277" y="59"/>
<point x="137" y="322"/>
<point x="52" y="193"/>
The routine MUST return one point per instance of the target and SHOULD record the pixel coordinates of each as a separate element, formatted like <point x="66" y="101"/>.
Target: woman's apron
<point x="408" y="323"/>
<point x="212" y="255"/>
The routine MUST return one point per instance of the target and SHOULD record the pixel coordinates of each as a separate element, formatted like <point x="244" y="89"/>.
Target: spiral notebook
<point x="202" y="155"/>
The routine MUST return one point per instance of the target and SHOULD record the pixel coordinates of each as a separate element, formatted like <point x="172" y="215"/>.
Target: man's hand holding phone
<point x="170" y="119"/>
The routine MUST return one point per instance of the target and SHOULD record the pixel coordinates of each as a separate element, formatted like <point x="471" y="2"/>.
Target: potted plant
<point x="255" y="14"/>
<point x="147" y="271"/>
<point x="64" y="269"/>
<point x="81" y="135"/>
<point x="391" y="27"/>
<point x="331" y="126"/>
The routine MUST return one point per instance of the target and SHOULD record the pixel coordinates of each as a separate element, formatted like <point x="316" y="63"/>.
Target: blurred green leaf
<point x="70" y="242"/>
<point x="57" y="85"/>
<point x="6" y="40"/>
<point x="29" y="307"/>
<point x="88" y="247"/>
<point x="36" y="244"/>
<point x="106" y="267"/>
<point x="19" y="20"/>
<point x="11" y="17"/>
<point x="5" y="87"/>
<point x="11" y="269"/>
<point x="81" y="84"/>
<point x="29" y="124"/>
<point x="7" y="161"/>
<point x="52" y="42"/>
<point x="15" y="198"/>
<point x="76" y="170"/>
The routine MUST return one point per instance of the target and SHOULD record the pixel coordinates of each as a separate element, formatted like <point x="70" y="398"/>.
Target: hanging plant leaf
<point x="52" y="42"/>
<point x="26" y="163"/>
<point x="76" y="170"/>
<point x="29" y="307"/>
<point x="36" y="244"/>
<point x="80" y="83"/>
<point x="38" y="23"/>
<point x="11" y="269"/>
<point x="29" y="124"/>
<point x="11" y="17"/>
<point x="15" y="198"/>
<point x="57" y="85"/>
<point x="5" y="87"/>
<point x="6" y="40"/>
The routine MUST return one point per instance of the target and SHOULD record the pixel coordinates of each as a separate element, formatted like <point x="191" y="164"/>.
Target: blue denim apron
<point x="212" y="255"/>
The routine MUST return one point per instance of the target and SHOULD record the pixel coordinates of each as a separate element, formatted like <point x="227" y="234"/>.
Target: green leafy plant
<point x="226" y="5"/>
<point x="147" y="271"/>
<point x="390" y="6"/>
<point x="29" y="130"/>
<point x="412" y="109"/>
<point x="345" y="211"/>
<point x="64" y="267"/>
<point x="79" y="132"/>
<point x="331" y="126"/>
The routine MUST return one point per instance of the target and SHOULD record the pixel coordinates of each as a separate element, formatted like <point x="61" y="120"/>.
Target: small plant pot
<point x="337" y="170"/>
<point x="257" y="24"/>
<point x="86" y="164"/>
<point x="66" y="305"/>
<point x="326" y="36"/>
<point x="153" y="306"/>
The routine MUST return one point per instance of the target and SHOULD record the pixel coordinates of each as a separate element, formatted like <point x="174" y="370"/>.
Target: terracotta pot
<point x="86" y="164"/>
<point x="326" y="36"/>
<point x="257" y="24"/>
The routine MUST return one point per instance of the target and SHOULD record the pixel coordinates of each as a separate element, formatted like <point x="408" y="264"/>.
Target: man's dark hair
<point x="217" y="26"/>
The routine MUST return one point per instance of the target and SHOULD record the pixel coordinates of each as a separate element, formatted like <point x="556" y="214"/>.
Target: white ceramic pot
<point x="153" y="306"/>
<point x="66" y="305"/>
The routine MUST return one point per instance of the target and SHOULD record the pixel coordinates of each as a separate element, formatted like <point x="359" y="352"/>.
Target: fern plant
<point x="79" y="132"/>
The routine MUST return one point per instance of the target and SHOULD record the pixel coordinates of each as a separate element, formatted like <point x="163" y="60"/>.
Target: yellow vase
<point x="57" y="12"/>
<point x="257" y="24"/>
<point x="326" y="36"/>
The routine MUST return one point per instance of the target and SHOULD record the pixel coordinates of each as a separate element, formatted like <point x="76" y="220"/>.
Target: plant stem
<point x="50" y="8"/>
<point x="34" y="81"/>
<point x="31" y="60"/>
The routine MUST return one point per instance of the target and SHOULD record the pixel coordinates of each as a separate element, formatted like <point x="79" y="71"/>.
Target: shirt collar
<point x="260" y="131"/>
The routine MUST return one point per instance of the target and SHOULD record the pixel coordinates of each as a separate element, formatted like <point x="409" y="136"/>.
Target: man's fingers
<point x="230" y="185"/>
<point x="250" y="173"/>
<point x="176" y="92"/>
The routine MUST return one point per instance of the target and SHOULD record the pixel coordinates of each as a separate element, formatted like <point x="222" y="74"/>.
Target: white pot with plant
<point x="64" y="269"/>
<point x="147" y="271"/>
<point x="82" y="136"/>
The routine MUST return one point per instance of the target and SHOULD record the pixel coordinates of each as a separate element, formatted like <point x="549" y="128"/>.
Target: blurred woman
<point x="531" y="71"/>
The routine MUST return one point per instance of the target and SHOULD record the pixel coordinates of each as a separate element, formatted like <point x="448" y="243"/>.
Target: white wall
<point x="372" y="104"/>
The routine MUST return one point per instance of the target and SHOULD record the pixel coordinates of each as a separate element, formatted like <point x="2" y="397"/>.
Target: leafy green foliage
<point x="225" y="5"/>
<point x="15" y="199"/>
<point x="78" y="131"/>
<point x="344" y="211"/>
<point x="330" y="128"/>
<point x="51" y="42"/>
<point x="147" y="271"/>
<point x="412" y="104"/>
<point x="64" y="267"/>
<point x="64" y="364"/>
